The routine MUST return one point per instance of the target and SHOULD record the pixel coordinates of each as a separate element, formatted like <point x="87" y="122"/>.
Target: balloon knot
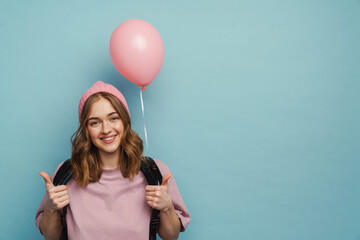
<point x="143" y="88"/>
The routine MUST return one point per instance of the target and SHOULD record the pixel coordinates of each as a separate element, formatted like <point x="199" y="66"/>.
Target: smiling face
<point x="105" y="127"/>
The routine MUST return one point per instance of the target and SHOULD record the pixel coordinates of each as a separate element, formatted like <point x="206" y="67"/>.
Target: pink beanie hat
<point x="100" y="86"/>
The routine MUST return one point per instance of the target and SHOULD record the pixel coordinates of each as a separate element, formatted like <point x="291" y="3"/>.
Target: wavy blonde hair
<point x="85" y="158"/>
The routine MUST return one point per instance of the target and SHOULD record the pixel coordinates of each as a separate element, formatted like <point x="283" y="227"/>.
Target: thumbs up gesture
<point x="158" y="197"/>
<point x="57" y="195"/>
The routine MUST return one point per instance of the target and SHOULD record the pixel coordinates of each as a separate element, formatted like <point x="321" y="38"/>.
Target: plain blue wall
<point x="255" y="110"/>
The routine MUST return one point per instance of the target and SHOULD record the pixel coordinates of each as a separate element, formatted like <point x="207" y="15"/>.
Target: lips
<point x="108" y="140"/>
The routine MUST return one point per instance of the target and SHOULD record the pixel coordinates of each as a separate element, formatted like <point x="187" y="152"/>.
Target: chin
<point x="109" y="151"/>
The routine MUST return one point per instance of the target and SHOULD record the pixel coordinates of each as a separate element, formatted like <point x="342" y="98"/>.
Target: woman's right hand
<point x="57" y="195"/>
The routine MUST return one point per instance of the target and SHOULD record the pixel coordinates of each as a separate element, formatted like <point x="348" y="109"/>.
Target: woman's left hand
<point x="158" y="197"/>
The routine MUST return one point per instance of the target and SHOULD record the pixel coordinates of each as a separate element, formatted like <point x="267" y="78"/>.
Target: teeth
<point x="107" y="139"/>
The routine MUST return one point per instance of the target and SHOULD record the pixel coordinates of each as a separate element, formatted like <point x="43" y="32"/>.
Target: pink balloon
<point x="137" y="51"/>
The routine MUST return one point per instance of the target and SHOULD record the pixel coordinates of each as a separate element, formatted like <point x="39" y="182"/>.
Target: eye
<point x="115" y="118"/>
<point x="93" y="123"/>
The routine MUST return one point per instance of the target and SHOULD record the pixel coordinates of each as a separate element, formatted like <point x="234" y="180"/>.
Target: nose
<point x="106" y="128"/>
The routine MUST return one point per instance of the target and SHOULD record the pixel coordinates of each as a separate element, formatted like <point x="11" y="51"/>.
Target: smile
<point x="108" y="139"/>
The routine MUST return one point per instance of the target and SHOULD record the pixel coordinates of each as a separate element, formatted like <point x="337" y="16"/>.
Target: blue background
<point x="255" y="110"/>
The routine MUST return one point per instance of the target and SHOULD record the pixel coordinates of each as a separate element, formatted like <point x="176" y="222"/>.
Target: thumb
<point x="165" y="179"/>
<point x="46" y="178"/>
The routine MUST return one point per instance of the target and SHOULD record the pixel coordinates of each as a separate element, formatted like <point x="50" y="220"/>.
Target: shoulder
<point x="56" y="170"/>
<point x="164" y="169"/>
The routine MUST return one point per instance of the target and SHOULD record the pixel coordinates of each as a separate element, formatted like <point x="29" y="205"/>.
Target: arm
<point x="158" y="198"/>
<point x="50" y="224"/>
<point x="169" y="224"/>
<point x="57" y="198"/>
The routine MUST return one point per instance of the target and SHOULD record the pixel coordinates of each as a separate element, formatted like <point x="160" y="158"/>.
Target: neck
<point x="109" y="160"/>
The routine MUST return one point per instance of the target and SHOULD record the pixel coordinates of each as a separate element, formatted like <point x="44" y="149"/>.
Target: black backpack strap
<point x="153" y="177"/>
<point x="62" y="176"/>
<point x="151" y="171"/>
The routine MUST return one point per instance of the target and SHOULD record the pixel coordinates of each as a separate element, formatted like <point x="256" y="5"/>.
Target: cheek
<point x="92" y="133"/>
<point x="120" y="127"/>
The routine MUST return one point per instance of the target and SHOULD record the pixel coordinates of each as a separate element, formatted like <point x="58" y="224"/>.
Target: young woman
<point x="108" y="196"/>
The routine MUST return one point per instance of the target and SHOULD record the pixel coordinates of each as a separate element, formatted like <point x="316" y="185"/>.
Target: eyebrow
<point x="96" y="118"/>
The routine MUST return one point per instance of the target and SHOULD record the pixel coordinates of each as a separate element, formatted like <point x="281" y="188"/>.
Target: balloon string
<point x="143" y="114"/>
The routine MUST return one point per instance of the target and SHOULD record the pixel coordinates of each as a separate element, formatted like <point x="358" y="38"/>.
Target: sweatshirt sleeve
<point x="175" y="195"/>
<point x="40" y="211"/>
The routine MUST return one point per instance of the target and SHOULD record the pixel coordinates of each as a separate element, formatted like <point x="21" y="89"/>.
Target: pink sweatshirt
<point x="114" y="207"/>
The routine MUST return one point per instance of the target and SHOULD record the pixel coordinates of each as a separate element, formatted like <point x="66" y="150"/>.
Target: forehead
<point x="101" y="108"/>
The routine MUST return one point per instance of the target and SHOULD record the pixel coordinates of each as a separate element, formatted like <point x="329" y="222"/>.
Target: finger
<point x="46" y="178"/>
<point x="152" y="188"/>
<point x="58" y="194"/>
<point x="63" y="198"/>
<point x="165" y="179"/>
<point x="48" y="186"/>
<point x="58" y="200"/>
<point x="150" y="203"/>
<point x="149" y="198"/>
<point x="57" y="189"/>
<point x="64" y="203"/>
